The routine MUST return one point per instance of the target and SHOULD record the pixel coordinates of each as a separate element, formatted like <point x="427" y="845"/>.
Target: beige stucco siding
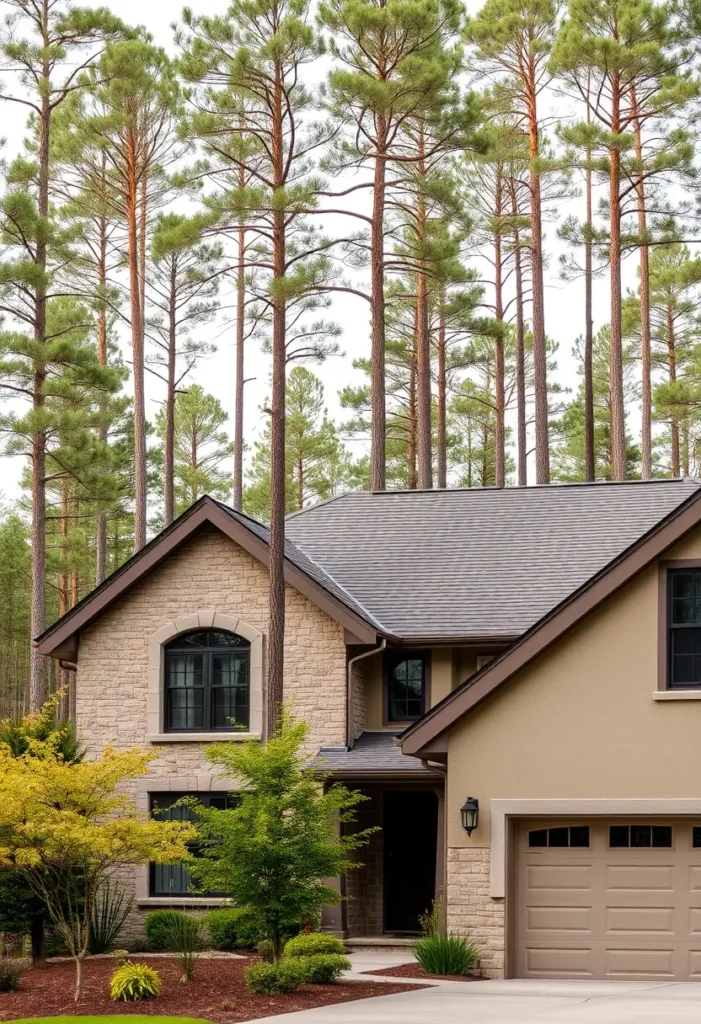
<point x="579" y="722"/>
<point x="209" y="572"/>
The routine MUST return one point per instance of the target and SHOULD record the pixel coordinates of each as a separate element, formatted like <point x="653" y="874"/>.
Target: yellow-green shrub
<point x="132" y="982"/>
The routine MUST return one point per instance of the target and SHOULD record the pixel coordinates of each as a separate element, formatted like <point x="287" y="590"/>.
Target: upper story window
<point x="207" y="682"/>
<point x="406" y="687"/>
<point x="684" y="628"/>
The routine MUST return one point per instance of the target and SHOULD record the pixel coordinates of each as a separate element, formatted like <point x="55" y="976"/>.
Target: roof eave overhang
<point x="63" y="635"/>
<point x="416" y="740"/>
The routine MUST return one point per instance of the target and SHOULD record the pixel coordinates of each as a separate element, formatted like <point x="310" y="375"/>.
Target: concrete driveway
<point x="513" y="1002"/>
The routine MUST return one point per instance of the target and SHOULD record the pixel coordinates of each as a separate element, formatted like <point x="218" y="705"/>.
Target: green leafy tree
<point x="200" y="446"/>
<point x="275" y="850"/>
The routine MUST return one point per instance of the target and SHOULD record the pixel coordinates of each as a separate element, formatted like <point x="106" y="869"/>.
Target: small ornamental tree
<point x="68" y="826"/>
<point x="273" y="851"/>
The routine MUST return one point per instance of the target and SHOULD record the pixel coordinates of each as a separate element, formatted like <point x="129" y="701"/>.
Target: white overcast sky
<point x="564" y="301"/>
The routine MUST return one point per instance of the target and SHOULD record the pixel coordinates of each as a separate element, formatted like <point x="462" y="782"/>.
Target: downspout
<point x="349" y="690"/>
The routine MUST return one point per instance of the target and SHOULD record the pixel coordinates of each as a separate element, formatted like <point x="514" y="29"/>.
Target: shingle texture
<point x="373" y="752"/>
<point x="475" y="562"/>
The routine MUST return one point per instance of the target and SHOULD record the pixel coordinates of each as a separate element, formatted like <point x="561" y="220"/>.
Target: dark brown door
<point x="409" y="832"/>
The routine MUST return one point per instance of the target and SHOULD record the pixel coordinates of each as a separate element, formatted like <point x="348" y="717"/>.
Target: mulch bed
<point x="217" y="993"/>
<point x="416" y="971"/>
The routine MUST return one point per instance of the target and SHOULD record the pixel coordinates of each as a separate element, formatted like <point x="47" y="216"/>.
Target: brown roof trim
<point x="560" y="620"/>
<point x="59" y="637"/>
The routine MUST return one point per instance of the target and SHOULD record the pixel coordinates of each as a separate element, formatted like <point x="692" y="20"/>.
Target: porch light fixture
<point x="470" y="814"/>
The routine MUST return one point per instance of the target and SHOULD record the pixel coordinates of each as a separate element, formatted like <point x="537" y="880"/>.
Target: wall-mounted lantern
<point x="470" y="814"/>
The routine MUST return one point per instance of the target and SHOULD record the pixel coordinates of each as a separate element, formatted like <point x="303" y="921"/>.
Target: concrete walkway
<point x="509" y="1002"/>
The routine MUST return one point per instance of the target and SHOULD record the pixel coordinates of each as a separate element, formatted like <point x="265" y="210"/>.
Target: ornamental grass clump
<point x="184" y="937"/>
<point x="445" y="954"/>
<point x="133" y="982"/>
<point x="11" y="971"/>
<point x="273" y="979"/>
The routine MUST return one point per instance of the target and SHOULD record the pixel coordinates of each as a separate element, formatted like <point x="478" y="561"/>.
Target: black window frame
<point x="558" y="832"/>
<point x="175" y="648"/>
<point x="392" y="660"/>
<point x="636" y="832"/>
<point x="227" y="800"/>
<point x="674" y="628"/>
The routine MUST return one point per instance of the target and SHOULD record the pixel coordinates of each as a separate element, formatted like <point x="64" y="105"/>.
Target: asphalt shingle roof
<point x="373" y="753"/>
<point x="473" y="563"/>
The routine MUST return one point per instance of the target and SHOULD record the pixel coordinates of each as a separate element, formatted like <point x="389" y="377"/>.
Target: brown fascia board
<point x="418" y="738"/>
<point x="61" y="636"/>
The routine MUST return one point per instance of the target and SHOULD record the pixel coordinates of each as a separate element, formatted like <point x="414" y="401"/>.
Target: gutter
<point x="349" y="689"/>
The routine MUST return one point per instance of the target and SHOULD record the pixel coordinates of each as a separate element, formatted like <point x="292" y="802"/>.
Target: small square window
<point x="579" y="835"/>
<point x="619" y="836"/>
<point x="539" y="837"/>
<point x="662" y="836"/>
<point x="559" y="837"/>
<point x="640" y="835"/>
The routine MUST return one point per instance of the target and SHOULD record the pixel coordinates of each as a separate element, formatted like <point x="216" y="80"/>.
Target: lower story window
<point x="175" y="879"/>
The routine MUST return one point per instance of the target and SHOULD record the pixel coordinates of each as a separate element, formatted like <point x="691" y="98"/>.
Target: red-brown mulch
<point x="217" y="993"/>
<point x="416" y="971"/>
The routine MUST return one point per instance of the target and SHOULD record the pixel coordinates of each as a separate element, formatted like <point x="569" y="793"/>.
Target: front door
<point x="410" y="829"/>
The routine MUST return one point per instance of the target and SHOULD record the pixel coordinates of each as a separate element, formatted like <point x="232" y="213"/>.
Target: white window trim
<point x="502" y="810"/>
<point x="207" y="618"/>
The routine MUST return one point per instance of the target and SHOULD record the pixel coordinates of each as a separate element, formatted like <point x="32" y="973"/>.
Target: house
<point x="537" y="650"/>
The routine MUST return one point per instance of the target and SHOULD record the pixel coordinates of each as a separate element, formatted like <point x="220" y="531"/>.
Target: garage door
<point x="609" y="899"/>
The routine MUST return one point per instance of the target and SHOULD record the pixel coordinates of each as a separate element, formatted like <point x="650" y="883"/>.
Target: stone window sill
<point x="202" y="737"/>
<point x="181" y="901"/>
<point x="677" y="695"/>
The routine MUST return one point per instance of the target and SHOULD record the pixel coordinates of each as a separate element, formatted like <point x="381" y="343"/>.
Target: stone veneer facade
<point x="470" y="908"/>
<point x="209" y="572"/>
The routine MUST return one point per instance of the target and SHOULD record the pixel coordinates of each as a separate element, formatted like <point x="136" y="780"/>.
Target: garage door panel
<point x="604" y="912"/>
<point x="639" y="876"/>
<point x="640" y="963"/>
<point x="559" y="876"/>
<point x="558" y="919"/>
<point x="553" y="961"/>
<point x="640" y="920"/>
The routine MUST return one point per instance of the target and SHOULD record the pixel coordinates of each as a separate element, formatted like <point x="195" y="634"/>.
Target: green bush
<point x="233" y="928"/>
<point x="445" y="954"/>
<point x="266" y="949"/>
<point x="158" y="926"/>
<point x="324" y="968"/>
<point x="312" y="944"/>
<point x="132" y="982"/>
<point x="11" y="971"/>
<point x="271" y="979"/>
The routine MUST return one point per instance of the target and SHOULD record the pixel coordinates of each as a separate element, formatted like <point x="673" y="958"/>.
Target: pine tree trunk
<point x="423" y="341"/>
<point x="645" y="342"/>
<point x="589" y="459"/>
<point x="672" y="363"/>
<point x="499" y="340"/>
<point x="276" y="630"/>
<point x="441" y="427"/>
<point x="540" y="356"/>
<point x="137" y="343"/>
<point x="521" y="441"/>
<point x="240" y="338"/>
<point x="169" y="439"/>
<point x="38" y="461"/>
<point x="378" y="440"/>
<point x="412" y="475"/>
<point x="300" y="481"/>
<point x="63" y="586"/>
<point x="101" y="528"/>
<point x="618" y="423"/>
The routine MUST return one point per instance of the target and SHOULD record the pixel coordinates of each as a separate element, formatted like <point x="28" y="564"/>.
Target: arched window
<point x="207" y="682"/>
